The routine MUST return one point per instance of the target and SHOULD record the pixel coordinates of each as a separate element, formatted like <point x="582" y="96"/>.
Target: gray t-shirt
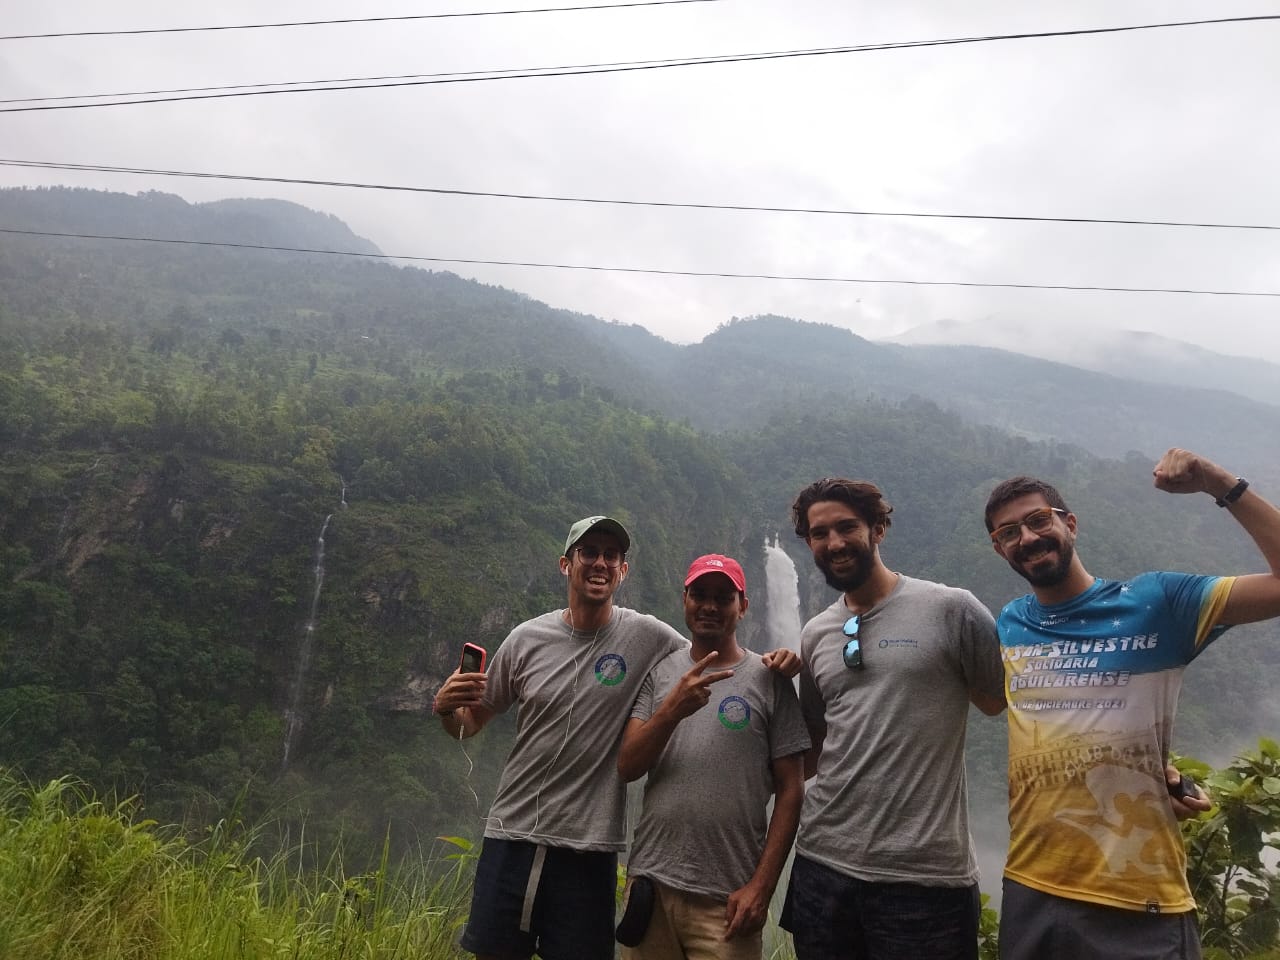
<point x="888" y="803"/>
<point x="703" y="824"/>
<point x="560" y="785"/>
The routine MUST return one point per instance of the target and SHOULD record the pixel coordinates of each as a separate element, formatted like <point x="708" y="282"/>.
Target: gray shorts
<point x="1040" y="926"/>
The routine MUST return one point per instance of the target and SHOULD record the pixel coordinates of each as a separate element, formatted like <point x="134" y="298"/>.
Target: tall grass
<point x="84" y="880"/>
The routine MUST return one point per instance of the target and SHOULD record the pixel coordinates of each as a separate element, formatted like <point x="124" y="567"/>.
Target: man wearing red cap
<point x="719" y="733"/>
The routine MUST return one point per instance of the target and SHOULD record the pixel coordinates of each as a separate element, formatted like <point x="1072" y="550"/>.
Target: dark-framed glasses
<point x="1037" y="521"/>
<point x="852" y="646"/>
<point x="589" y="554"/>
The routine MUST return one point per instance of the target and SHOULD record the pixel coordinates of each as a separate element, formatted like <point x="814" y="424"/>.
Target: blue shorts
<point x="554" y="901"/>
<point x="833" y="916"/>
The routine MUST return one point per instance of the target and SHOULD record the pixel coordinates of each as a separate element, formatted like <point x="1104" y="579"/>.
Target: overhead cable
<point x="348" y="20"/>
<point x="652" y="270"/>
<point x="329" y="87"/>
<point x="662" y="204"/>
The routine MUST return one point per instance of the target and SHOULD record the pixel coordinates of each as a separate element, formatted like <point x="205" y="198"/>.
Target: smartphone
<point x="1186" y="787"/>
<point x="472" y="659"/>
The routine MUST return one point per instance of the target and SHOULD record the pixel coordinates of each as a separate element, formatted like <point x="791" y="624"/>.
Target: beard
<point x="854" y="576"/>
<point x="1045" y="576"/>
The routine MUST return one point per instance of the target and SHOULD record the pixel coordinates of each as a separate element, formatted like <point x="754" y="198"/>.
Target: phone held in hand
<point x="472" y="659"/>
<point x="1185" y="787"/>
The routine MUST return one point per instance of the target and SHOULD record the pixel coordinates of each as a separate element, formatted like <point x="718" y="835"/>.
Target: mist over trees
<point x="178" y="424"/>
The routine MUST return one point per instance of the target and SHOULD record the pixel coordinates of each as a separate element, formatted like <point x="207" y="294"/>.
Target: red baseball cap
<point x="717" y="563"/>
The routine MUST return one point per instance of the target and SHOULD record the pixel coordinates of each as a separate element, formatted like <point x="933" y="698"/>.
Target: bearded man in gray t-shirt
<point x="884" y="864"/>
<point x="718" y="734"/>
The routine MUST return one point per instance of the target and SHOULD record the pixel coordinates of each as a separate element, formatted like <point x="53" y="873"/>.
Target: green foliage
<point x="988" y="931"/>
<point x="86" y="880"/>
<point x="1232" y="865"/>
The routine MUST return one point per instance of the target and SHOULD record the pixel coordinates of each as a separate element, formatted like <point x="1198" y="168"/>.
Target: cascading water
<point x="292" y="715"/>
<point x="782" y="591"/>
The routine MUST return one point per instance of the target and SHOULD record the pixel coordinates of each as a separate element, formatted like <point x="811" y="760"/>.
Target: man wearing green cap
<point x="547" y="873"/>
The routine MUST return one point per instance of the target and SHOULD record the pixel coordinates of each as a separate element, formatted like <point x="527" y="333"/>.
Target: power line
<point x="305" y="85"/>
<point x="661" y="204"/>
<point x="635" y="66"/>
<point x="653" y="270"/>
<point x="325" y="23"/>
<point x="359" y="83"/>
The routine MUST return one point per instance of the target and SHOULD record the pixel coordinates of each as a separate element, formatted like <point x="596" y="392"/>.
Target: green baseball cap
<point x="603" y="524"/>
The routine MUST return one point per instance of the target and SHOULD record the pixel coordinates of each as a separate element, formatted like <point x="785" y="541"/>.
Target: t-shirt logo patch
<point x="611" y="670"/>
<point x="734" y="713"/>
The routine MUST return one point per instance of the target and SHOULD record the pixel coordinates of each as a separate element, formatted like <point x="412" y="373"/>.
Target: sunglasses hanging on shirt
<point x="853" y="647"/>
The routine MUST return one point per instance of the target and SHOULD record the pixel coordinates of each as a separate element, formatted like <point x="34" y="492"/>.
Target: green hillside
<point x="179" y="424"/>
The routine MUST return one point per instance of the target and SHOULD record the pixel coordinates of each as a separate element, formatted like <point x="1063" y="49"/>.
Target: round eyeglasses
<point x="589" y="554"/>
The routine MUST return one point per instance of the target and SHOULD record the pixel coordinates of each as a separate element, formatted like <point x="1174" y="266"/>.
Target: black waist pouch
<point x="635" y="912"/>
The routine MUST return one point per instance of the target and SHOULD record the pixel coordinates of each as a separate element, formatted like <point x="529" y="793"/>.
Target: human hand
<point x="783" y="660"/>
<point x="1185" y="807"/>
<point x="460" y="691"/>
<point x="693" y="690"/>
<point x="1181" y="471"/>
<point x="746" y="911"/>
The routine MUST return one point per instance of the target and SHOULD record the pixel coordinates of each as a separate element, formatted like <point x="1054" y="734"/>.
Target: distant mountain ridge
<point x="1129" y="354"/>
<point x="746" y="371"/>
<point x="737" y="378"/>
<point x="169" y="217"/>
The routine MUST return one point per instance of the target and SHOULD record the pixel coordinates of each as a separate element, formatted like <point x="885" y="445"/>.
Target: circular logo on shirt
<point x="735" y="713"/>
<point x="611" y="670"/>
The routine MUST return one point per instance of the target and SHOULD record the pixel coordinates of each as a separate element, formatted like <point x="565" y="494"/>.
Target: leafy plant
<point x="1231" y="853"/>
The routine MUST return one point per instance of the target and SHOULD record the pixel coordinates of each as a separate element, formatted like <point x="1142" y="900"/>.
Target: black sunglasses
<point x="853" y="649"/>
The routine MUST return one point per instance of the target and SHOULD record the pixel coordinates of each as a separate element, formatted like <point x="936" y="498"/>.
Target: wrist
<point x="435" y="708"/>
<point x="1238" y="485"/>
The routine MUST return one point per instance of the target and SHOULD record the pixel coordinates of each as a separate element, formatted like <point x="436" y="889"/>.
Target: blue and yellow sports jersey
<point x="1092" y="686"/>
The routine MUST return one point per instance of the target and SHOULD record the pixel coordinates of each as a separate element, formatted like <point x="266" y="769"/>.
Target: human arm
<point x="644" y="740"/>
<point x="459" y="707"/>
<point x="981" y="659"/>
<point x="812" y="711"/>
<point x="748" y="906"/>
<point x="991" y="706"/>
<point x="1255" y="596"/>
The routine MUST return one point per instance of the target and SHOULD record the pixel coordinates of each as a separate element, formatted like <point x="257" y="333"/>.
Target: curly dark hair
<point x="861" y="496"/>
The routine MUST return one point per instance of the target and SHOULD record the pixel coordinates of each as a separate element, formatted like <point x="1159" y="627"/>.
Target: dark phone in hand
<point x="472" y="659"/>
<point x="1186" y="787"/>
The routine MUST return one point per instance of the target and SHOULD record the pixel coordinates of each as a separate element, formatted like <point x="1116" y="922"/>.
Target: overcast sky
<point x="1175" y="124"/>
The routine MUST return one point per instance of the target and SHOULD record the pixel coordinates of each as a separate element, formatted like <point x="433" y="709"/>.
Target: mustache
<point x="1044" y="543"/>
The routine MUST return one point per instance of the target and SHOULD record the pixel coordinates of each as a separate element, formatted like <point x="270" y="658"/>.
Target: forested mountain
<point x="746" y="370"/>
<point x="252" y="503"/>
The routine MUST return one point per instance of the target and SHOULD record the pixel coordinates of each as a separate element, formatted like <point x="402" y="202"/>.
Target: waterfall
<point x="783" y="596"/>
<point x="292" y="716"/>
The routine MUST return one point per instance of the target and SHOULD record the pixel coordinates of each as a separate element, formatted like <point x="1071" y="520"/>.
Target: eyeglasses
<point x="853" y="649"/>
<point x="1037" y="521"/>
<point x="589" y="554"/>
